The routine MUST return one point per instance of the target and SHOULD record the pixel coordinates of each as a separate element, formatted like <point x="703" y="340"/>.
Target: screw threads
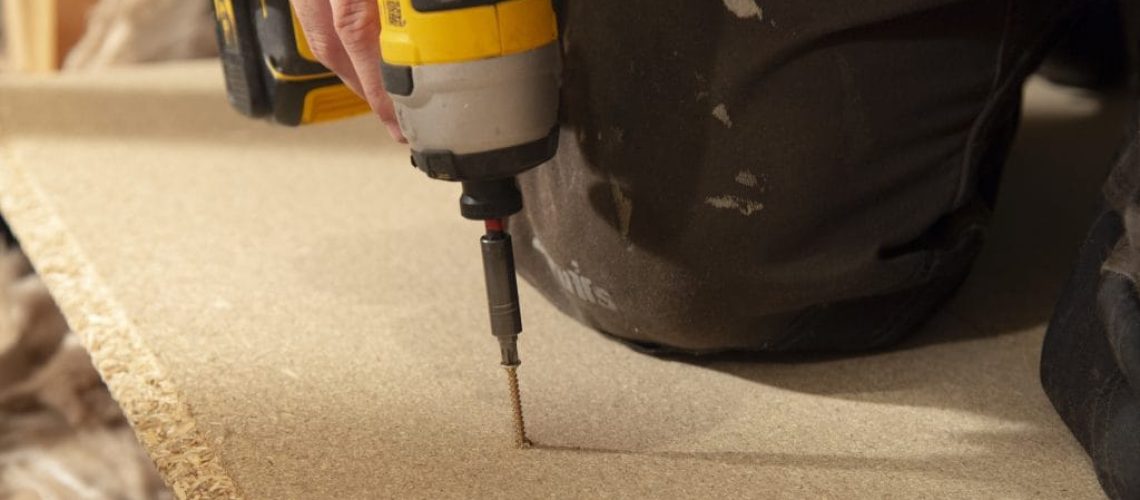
<point x="516" y="405"/>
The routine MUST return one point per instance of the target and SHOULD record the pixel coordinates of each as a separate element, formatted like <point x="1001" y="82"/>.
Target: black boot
<point x="1090" y="364"/>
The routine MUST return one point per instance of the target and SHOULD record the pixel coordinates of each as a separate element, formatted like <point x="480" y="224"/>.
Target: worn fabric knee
<point x="776" y="175"/>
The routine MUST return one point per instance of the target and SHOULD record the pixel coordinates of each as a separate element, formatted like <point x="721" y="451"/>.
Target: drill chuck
<point x="502" y="293"/>
<point x="490" y="199"/>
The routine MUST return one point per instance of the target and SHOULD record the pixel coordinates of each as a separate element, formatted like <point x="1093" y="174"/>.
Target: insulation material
<point x="134" y="31"/>
<point x="288" y="313"/>
<point x="61" y="435"/>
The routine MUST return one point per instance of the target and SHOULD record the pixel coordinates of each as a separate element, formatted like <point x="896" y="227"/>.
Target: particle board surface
<point x="299" y="314"/>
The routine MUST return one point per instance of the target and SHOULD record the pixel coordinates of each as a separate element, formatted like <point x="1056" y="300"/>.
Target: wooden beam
<point x="39" y="33"/>
<point x="31" y="35"/>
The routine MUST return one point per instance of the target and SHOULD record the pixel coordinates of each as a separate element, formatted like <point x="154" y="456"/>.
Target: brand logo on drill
<point x="575" y="282"/>
<point x="394" y="13"/>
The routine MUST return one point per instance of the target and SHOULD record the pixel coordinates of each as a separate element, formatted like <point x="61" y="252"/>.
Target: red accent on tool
<point x="493" y="225"/>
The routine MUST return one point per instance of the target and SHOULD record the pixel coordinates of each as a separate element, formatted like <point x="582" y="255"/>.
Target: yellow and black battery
<point x="270" y="70"/>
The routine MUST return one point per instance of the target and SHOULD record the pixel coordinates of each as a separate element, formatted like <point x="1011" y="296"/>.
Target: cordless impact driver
<point x="475" y="87"/>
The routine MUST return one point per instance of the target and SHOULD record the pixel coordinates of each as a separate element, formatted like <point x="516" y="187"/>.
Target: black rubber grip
<point x="397" y="79"/>
<point x="438" y="5"/>
<point x="505" y="162"/>
<point x="241" y="61"/>
<point x="490" y="199"/>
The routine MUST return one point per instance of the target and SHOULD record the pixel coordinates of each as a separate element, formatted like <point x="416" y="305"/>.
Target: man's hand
<point x="345" y="37"/>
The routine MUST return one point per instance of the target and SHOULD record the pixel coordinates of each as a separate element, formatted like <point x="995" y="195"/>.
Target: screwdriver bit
<point x="503" y="305"/>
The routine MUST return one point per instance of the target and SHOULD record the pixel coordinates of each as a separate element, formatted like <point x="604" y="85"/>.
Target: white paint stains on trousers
<point x="624" y="207"/>
<point x="747" y="178"/>
<point x="743" y="205"/>
<point x="745" y="9"/>
<point x="720" y="112"/>
<point x="728" y="201"/>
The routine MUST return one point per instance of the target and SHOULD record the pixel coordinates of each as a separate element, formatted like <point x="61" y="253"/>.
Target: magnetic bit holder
<point x="502" y="293"/>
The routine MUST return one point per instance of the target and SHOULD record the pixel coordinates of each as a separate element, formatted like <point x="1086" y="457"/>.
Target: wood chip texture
<point x="297" y="313"/>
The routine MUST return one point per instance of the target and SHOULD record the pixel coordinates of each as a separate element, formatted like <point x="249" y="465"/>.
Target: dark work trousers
<point x="1090" y="365"/>
<point x="775" y="175"/>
